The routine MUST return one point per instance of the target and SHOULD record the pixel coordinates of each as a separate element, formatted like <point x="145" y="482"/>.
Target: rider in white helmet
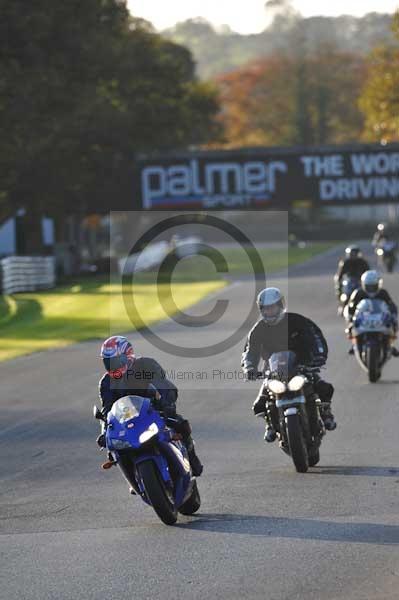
<point x="372" y="287"/>
<point x="276" y="331"/>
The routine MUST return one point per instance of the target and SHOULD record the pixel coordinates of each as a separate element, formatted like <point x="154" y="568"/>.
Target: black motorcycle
<point x="294" y="409"/>
<point x="386" y="255"/>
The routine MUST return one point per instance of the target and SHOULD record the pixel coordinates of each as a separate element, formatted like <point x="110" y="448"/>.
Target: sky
<point x="246" y="16"/>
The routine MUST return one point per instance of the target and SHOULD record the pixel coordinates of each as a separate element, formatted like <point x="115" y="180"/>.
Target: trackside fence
<point x="27" y="273"/>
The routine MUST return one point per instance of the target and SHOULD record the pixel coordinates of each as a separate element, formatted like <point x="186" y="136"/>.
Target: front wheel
<point x="156" y="492"/>
<point x="193" y="503"/>
<point x="373" y="360"/>
<point x="296" y="441"/>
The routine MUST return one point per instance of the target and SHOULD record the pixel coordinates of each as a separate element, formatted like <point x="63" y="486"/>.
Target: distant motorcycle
<point x="151" y="457"/>
<point x="386" y="255"/>
<point x="348" y="286"/>
<point x="372" y="334"/>
<point x="293" y="408"/>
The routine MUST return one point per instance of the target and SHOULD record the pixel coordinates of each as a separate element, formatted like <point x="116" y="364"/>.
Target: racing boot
<point x="348" y="332"/>
<point x="328" y="419"/>
<point x="259" y="406"/>
<point x="395" y="351"/>
<point x="270" y="434"/>
<point x="195" y="463"/>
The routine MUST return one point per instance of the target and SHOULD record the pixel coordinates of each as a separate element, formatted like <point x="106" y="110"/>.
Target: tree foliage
<point x="84" y="86"/>
<point x="291" y="99"/>
<point x="380" y="98"/>
<point x="218" y="52"/>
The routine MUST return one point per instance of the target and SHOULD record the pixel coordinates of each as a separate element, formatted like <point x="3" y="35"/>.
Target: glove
<point x="101" y="440"/>
<point x="251" y="374"/>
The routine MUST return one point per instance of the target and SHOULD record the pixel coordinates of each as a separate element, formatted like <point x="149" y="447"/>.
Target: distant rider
<point x="130" y="375"/>
<point x="353" y="265"/>
<point x="279" y="331"/>
<point x="372" y="287"/>
<point x="381" y="235"/>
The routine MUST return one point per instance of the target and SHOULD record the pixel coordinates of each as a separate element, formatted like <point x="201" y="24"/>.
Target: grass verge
<point x="94" y="308"/>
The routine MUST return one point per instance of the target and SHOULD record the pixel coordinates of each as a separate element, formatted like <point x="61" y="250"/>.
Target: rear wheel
<point x="193" y="503"/>
<point x="314" y="457"/>
<point x="390" y="263"/>
<point x="373" y="360"/>
<point x="296" y="441"/>
<point x="157" y="493"/>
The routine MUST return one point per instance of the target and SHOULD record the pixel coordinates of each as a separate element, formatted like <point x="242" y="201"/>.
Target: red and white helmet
<point x="117" y="354"/>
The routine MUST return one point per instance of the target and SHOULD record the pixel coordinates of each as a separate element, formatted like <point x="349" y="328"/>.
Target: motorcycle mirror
<point x="97" y="414"/>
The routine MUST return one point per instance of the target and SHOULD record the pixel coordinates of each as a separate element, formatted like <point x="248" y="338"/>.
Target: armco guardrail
<point x="188" y="246"/>
<point x="150" y="257"/>
<point x="153" y="255"/>
<point x="27" y="273"/>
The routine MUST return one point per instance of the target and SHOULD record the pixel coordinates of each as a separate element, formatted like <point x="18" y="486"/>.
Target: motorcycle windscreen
<point x="127" y="408"/>
<point x="372" y="306"/>
<point x="284" y="365"/>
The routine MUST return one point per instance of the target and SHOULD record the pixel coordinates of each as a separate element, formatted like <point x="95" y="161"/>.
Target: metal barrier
<point x="27" y="273"/>
<point x="153" y="255"/>
<point x="150" y="257"/>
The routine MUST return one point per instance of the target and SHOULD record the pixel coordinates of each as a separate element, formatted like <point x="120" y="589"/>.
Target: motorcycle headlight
<point x="276" y="386"/>
<point x="380" y="252"/>
<point x="149" y="433"/>
<point x="344" y="297"/>
<point x="120" y="444"/>
<point x="296" y="383"/>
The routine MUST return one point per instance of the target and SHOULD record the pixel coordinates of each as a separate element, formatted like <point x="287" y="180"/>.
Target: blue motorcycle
<point x="151" y="457"/>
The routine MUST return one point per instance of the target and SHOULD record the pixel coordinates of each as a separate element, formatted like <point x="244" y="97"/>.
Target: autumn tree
<point x="293" y="99"/>
<point x="379" y="101"/>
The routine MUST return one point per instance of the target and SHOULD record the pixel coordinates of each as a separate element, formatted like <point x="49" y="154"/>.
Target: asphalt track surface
<point x="69" y="530"/>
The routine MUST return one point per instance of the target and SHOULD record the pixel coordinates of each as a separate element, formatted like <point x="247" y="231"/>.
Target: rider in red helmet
<point x="128" y="375"/>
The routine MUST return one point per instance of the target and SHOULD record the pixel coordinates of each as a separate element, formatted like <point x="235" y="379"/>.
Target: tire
<point x="390" y="263"/>
<point x="193" y="503"/>
<point x="314" y="457"/>
<point x="298" y="449"/>
<point x="156" y="492"/>
<point x="373" y="355"/>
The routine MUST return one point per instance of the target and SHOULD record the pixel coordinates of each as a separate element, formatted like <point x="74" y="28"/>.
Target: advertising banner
<point x="264" y="177"/>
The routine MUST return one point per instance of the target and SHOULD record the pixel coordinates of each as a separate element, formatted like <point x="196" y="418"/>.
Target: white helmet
<point x="271" y="304"/>
<point x="381" y="226"/>
<point x="371" y="283"/>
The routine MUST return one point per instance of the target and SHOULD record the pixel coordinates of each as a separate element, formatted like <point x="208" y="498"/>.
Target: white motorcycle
<point x="372" y="335"/>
